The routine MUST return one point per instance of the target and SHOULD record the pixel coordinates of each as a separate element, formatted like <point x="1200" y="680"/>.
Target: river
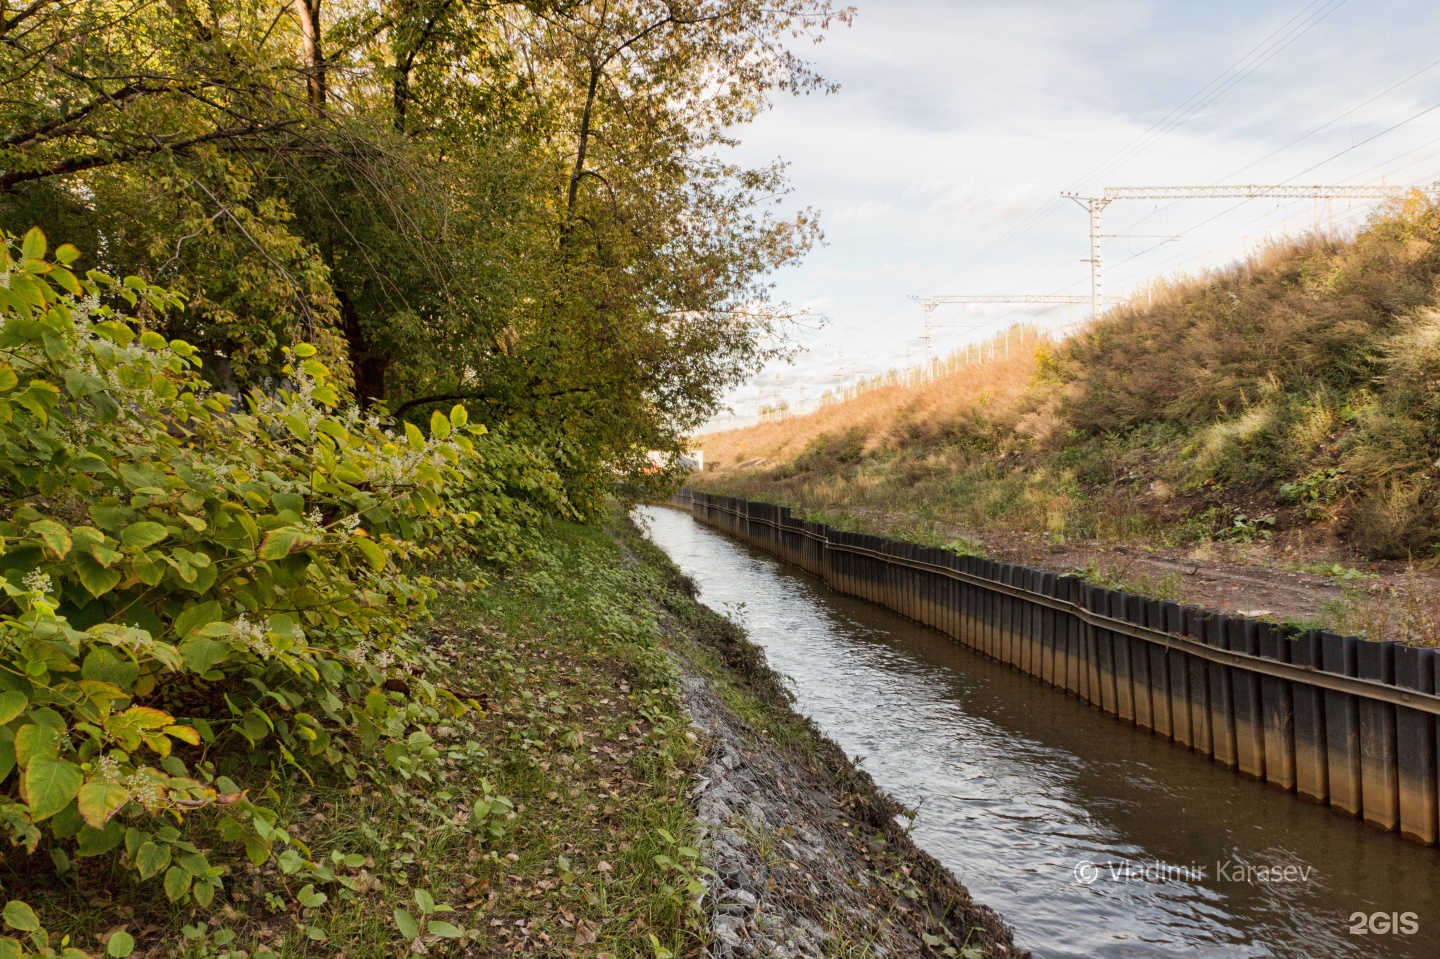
<point x="1090" y="838"/>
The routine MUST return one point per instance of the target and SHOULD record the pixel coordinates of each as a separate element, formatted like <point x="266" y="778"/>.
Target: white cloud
<point x="956" y="121"/>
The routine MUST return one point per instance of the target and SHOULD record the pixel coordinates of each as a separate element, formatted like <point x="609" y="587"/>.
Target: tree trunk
<point x="368" y="370"/>
<point x="580" y="150"/>
<point x="308" y="12"/>
<point x="401" y="96"/>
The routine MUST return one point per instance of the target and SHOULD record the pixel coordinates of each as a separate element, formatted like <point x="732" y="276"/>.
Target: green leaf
<point x="139" y="476"/>
<point x="12" y="704"/>
<point x="95" y="578"/>
<point x="21" y="917"/>
<point x="403" y="921"/>
<point x="459" y="416"/>
<point x="150" y="858"/>
<point x="36" y="740"/>
<point x="196" y="617"/>
<point x="105" y="665"/>
<point x="143" y="535"/>
<point x="280" y="543"/>
<point x="111" y="517"/>
<point x="425" y="901"/>
<point x="373" y="554"/>
<point x="104" y="555"/>
<point x="10" y="949"/>
<point x="121" y="944"/>
<point x="445" y="930"/>
<point x="202" y="654"/>
<point x="50" y="784"/>
<point x="33" y="246"/>
<point x="417" y="438"/>
<point x="98" y="802"/>
<point x="177" y="883"/>
<point x="309" y="898"/>
<point x="439" y="425"/>
<point x="97" y="842"/>
<point x="55" y="537"/>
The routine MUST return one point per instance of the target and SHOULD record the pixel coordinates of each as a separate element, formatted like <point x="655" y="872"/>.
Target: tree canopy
<point x="522" y="206"/>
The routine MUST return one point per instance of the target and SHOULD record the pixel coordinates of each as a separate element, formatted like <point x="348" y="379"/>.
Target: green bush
<point x="188" y="579"/>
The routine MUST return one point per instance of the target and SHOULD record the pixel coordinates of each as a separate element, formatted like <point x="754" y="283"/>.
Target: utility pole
<point x="1095" y="204"/>
<point x="929" y="309"/>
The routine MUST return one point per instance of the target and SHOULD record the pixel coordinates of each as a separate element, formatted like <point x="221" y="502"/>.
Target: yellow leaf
<point x="55" y="537"/>
<point x="187" y="734"/>
<point x="148" y="717"/>
<point x="98" y="801"/>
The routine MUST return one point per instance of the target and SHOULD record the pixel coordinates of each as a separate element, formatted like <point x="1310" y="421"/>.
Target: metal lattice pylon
<point x="1095" y="204"/>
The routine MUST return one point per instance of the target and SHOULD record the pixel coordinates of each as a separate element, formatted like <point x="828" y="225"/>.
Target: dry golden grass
<point x="1302" y="385"/>
<point x="896" y="407"/>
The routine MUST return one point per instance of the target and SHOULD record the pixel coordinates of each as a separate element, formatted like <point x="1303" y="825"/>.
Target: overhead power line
<point x="1094" y="205"/>
<point x="930" y="303"/>
<point x="1260" y="54"/>
<point x="1248" y="192"/>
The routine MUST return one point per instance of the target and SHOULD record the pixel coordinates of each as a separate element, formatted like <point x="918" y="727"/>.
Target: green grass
<point x="579" y="756"/>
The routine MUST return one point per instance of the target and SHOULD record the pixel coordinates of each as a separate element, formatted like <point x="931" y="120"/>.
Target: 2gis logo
<point x="1384" y="923"/>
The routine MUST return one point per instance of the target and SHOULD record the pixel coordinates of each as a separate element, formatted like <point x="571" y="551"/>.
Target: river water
<point x="1090" y="838"/>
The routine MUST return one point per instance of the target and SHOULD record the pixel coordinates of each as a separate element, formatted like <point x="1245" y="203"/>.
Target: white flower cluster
<point x="144" y="790"/>
<point x="38" y="582"/>
<point x="398" y="469"/>
<point x="315" y="521"/>
<point x="107" y="770"/>
<point x="299" y="403"/>
<point x="138" y="641"/>
<point x="363" y="654"/>
<point x="254" y="636"/>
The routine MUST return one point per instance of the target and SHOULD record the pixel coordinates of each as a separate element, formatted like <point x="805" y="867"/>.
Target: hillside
<point x="1283" y="412"/>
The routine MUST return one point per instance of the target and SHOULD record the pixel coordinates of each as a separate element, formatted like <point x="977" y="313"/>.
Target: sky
<point x="938" y="166"/>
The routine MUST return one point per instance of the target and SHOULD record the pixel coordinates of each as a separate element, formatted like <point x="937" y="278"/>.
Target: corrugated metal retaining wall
<point x="1336" y="719"/>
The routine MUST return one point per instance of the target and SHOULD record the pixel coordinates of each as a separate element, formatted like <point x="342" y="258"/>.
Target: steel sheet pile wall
<point x="1336" y="719"/>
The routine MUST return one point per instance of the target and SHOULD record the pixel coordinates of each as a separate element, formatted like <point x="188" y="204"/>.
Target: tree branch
<point x="92" y="161"/>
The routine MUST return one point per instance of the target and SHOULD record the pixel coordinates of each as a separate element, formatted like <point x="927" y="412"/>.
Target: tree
<point x="521" y="206"/>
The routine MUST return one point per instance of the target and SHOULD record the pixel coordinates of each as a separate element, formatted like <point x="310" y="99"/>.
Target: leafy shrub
<point x="1394" y="520"/>
<point x="826" y="453"/>
<point x="1314" y="491"/>
<point x="188" y="580"/>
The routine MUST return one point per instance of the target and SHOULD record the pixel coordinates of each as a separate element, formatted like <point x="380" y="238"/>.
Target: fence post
<point x="1277" y="710"/>
<point x="1379" y="773"/>
<point x="1342" y="726"/>
<point x="1222" y="711"/>
<point x="1159" y="673"/>
<point x="1244" y="635"/>
<point x="1415" y="743"/>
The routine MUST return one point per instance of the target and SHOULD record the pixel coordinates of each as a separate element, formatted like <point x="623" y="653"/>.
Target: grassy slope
<point x="1289" y="405"/>
<point x="583" y="731"/>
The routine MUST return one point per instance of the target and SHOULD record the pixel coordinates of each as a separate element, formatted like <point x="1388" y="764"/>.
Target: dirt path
<point x="1258" y="579"/>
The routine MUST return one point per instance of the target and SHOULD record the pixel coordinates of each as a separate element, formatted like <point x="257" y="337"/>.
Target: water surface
<point x="1090" y="838"/>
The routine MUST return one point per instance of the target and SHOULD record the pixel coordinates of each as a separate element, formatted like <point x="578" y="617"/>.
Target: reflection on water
<point x="1090" y="838"/>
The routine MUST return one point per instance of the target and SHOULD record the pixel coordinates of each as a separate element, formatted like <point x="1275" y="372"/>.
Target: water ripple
<point x="1018" y="785"/>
